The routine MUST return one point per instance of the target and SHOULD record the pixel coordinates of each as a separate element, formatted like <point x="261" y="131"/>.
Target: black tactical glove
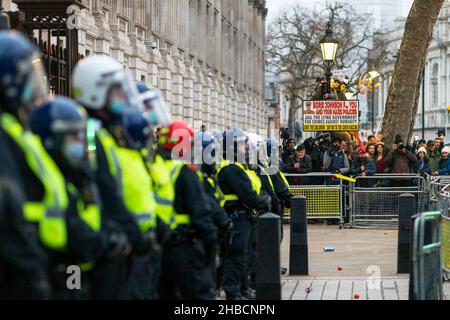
<point x="267" y="202"/>
<point x="146" y="245"/>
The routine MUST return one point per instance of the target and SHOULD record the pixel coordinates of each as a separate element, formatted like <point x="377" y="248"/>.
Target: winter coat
<point x="422" y="166"/>
<point x="444" y="167"/>
<point x="401" y="162"/>
<point x="434" y="159"/>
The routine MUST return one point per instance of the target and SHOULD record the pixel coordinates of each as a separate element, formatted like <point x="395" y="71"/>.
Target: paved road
<point x="356" y="251"/>
<point x="344" y="274"/>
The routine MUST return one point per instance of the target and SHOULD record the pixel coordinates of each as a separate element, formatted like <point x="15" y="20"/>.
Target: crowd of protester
<point x="331" y="153"/>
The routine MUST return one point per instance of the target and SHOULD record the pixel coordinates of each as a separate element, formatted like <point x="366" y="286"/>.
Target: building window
<point x="123" y="25"/>
<point x="140" y="33"/>
<point x="435" y="85"/>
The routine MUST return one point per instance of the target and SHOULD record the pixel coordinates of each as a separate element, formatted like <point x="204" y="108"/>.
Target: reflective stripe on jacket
<point x="49" y="213"/>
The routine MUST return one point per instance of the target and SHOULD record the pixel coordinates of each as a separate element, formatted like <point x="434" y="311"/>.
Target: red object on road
<point x="356" y="296"/>
<point x="340" y="268"/>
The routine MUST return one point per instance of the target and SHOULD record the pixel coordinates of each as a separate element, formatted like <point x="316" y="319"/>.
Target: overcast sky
<point x="275" y="5"/>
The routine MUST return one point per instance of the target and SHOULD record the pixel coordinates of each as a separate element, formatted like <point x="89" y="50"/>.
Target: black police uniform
<point x="221" y="221"/>
<point x="266" y="188"/>
<point x="58" y="262"/>
<point x="233" y="180"/>
<point x="114" y="208"/>
<point x="23" y="262"/>
<point x="187" y="255"/>
<point x="100" y="248"/>
<point x="283" y="193"/>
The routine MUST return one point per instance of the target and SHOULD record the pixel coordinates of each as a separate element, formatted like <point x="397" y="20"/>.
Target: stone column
<point x="198" y="95"/>
<point x="166" y="75"/>
<point x="188" y="96"/>
<point x="222" y="104"/>
<point x="206" y="106"/>
<point x="154" y="60"/>
<point x="177" y="85"/>
<point x="214" y="110"/>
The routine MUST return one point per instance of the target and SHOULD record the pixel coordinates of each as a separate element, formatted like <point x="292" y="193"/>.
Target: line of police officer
<point x="88" y="186"/>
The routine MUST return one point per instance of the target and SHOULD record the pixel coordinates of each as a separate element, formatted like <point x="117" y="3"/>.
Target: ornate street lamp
<point x="329" y="46"/>
<point x="373" y="74"/>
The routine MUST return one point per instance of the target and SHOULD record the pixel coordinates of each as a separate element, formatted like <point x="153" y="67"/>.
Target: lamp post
<point x="373" y="74"/>
<point x="329" y="46"/>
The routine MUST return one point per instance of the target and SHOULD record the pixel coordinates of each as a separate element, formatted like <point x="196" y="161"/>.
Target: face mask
<point x="118" y="106"/>
<point x="74" y="152"/>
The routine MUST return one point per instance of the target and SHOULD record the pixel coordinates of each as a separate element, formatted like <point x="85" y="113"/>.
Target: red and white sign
<point x="331" y="116"/>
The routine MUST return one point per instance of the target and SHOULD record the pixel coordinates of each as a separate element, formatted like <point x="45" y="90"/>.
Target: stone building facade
<point x="207" y="56"/>
<point x="437" y="77"/>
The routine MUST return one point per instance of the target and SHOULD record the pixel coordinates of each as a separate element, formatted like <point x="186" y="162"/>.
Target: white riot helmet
<point x="257" y="149"/>
<point x="96" y="76"/>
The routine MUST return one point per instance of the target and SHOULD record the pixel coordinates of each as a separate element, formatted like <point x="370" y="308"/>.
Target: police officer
<point x="139" y="130"/>
<point x="21" y="259"/>
<point x="242" y="201"/>
<point x="257" y="161"/>
<point x="23" y="269"/>
<point x="61" y="125"/>
<point x="206" y="144"/>
<point x="280" y="184"/>
<point x="189" y="252"/>
<point x="40" y="182"/>
<point x="106" y="90"/>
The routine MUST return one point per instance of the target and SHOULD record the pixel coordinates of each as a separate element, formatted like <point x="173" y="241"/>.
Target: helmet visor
<point x="36" y="89"/>
<point x="123" y="94"/>
<point x="155" y="109"/>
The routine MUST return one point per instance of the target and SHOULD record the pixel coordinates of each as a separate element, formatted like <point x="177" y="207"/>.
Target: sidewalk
<point x="356" y="250"/>
<point x="344" y="274"/>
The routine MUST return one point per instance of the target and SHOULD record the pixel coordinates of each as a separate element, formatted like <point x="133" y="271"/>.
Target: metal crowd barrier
<point x="441" y="200"/>
<point x="446" y="246"/>
<point x="374" y="199"/>
<point x="426" y="257"/>
<point x="323" y="201"/>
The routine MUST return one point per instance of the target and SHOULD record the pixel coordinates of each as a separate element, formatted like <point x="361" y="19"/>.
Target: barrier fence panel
<point x="440" y="201"/>
<point x="446" y="244"/>
<point x="426" y="257"/>
<point x="374" y="199"/>
<point x="324" y="194"/>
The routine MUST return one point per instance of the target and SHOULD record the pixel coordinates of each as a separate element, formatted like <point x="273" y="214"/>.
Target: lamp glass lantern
<point x="329" y="45"/>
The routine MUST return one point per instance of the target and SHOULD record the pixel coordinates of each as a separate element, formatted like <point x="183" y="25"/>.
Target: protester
<point x="363" y="164"/>
<point x="335" y="161"/>
<point x="419" y="144"/>
<point x="439" y="144"/>
<point x="401" y="159"/>
<point x="444" y="167"/>
<point x="433" y="155"/>
<point x="379" y="158"/>
<point x="422" y="165"/>
<point x="299" y="163"/>
<point x="288" y="151"/>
